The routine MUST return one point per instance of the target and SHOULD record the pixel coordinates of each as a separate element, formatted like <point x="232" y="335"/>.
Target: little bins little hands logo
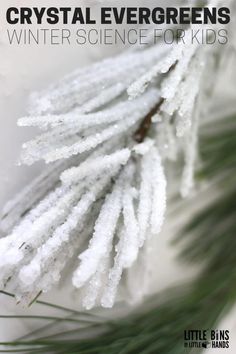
<point x="210" y="338"/>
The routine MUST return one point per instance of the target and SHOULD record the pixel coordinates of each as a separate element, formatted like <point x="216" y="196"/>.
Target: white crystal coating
<point x="106" y="195"/>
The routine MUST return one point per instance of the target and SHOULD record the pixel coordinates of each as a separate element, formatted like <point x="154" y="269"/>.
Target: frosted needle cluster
<point x="103" y="193"/>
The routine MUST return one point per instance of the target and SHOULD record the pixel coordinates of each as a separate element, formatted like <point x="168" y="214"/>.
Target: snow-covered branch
<point x="109" y="129"/>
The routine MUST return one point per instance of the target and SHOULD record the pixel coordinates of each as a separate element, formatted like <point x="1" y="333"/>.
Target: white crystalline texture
<point x="85" y="84"/>
<point x="61" y="235"/>
<point x="126" y="250"/>
<point x="102" y="236"/>
<point x="98" y="165"/>
<point x="145" y="197"/>
<point x="105" y="193"/>
<point x="190" y="152"/>
<point x="152" y="201"/>
<point x="64" y="142"/>
<point x="162" y="67"/>
<point x="158" y="193"/>
<point x="144" y="147"/>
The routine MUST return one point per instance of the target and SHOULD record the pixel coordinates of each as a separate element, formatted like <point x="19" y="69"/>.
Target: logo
<point x="208" y="338"/>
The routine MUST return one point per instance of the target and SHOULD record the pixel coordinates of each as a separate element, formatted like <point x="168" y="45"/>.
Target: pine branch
<point x="93" y="130"/>
<point x="200" y="304"/>
<point x="112" y="192"/>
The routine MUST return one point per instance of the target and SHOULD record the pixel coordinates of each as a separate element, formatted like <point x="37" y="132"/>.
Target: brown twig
<point x="144" y="127"/>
